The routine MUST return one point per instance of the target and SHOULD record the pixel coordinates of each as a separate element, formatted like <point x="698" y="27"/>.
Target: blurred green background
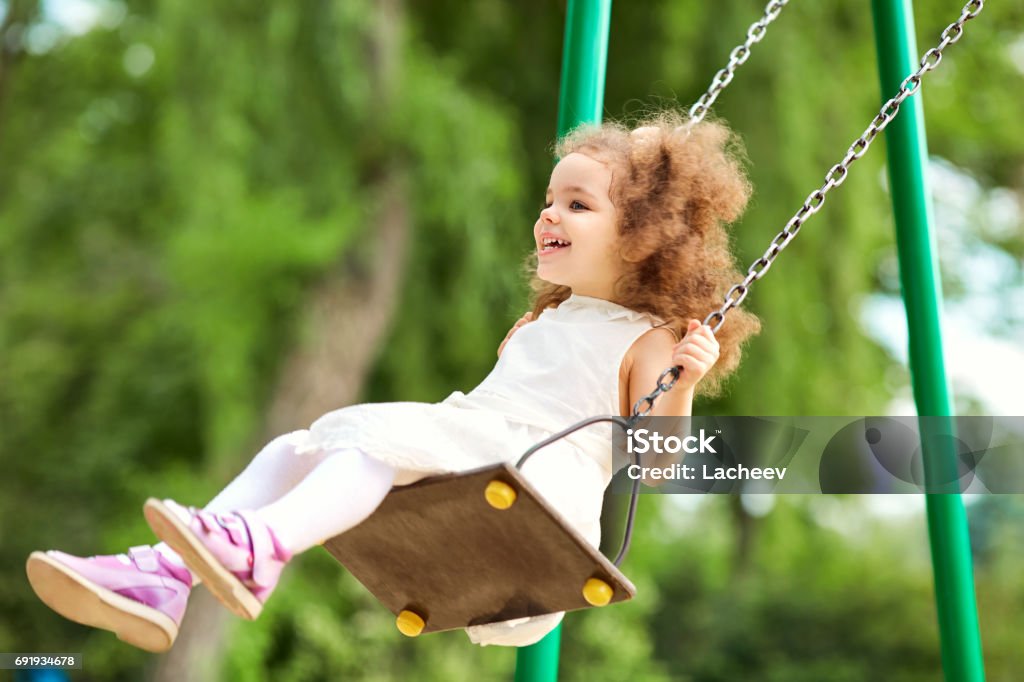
<point x="219" y="220"/>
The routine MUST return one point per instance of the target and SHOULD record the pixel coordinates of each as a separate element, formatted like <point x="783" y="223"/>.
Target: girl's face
<point x="575" y="233"/>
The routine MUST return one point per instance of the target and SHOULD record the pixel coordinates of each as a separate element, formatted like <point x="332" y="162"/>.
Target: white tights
<point x="309" y="498"/>
<point x="306" y="498"/>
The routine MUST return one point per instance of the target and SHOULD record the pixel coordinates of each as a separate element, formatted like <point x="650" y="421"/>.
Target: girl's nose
<point x="549" y="215"/>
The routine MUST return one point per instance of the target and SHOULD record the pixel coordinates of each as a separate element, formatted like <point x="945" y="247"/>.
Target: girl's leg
<point x="342" y="491"/>
<point x="239" y="554"/>
<point x="142" y="595"/>
<point x="274" y="471"/>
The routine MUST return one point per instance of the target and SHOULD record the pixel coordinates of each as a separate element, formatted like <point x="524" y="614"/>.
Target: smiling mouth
<point x="551" y="245"/>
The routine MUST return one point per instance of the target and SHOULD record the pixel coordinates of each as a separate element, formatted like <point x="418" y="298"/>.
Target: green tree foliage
<point x="161" y="230"/>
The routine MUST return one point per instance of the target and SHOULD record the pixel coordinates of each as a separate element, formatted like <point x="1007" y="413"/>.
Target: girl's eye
<point x="546" y="204"/>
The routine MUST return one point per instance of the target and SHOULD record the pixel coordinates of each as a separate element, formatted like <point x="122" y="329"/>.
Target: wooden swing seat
<point x="441" y="554"/>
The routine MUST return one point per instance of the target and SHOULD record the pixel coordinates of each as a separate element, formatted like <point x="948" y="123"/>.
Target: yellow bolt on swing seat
<point x="499" y="494"/>
<point x="597" y="592"/>
<point x="409" y="623"/>
<point x="437" y="557"/>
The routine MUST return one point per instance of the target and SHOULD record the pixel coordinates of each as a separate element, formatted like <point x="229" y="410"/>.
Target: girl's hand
<point x="528" y="317"/>
<point x="696" y="353"/>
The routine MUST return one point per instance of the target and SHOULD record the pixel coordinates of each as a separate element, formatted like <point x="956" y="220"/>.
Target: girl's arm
<point x="654" y="352"/>
<point x="528" y="317"/>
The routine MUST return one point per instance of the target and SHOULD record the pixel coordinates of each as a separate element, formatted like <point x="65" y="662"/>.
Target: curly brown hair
<point x="674" y="191"/>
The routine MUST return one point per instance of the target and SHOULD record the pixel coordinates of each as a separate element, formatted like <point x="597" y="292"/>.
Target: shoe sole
<point x="77" y="598"/>
<point x="228" y="589"/>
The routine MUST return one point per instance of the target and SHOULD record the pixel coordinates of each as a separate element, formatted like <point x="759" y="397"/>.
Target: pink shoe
<point x="235" y="554"/>
<point x="139" y="596"/>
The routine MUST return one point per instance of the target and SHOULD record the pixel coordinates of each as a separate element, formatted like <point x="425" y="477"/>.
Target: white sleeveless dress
<point x="557" y="370"/>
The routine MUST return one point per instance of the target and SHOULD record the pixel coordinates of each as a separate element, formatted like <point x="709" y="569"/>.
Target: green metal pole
<point x="960" y="639"/>
<point x="580" y="100"/>
<point x="584" y="58"/>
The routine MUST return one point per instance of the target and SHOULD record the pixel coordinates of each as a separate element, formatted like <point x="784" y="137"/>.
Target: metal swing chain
<point x="816" y="199"/>
<point x="738" y="56"/>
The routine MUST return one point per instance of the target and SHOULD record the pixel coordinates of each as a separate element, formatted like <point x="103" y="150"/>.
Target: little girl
<point x="630" y="248"/>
